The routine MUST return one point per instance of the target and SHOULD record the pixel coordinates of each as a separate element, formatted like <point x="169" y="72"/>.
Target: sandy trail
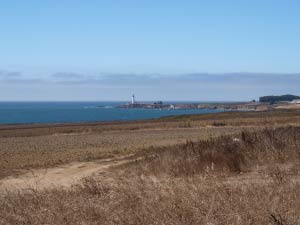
<point x="63" y="176"/>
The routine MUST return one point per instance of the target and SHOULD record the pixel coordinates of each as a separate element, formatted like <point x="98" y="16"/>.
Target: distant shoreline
<point x="23" y="114"/>
<point x="80" y="113"/>
<point x="243" y="106"/>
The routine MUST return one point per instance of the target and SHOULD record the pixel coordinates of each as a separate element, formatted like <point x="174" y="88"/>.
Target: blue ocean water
<point x="66" y="112"/>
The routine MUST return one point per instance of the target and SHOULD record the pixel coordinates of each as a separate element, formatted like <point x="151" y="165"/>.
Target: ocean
<point x="70" y="112"/>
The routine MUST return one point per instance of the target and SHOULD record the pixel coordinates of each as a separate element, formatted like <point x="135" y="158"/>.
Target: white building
<point x="132" y="99"/>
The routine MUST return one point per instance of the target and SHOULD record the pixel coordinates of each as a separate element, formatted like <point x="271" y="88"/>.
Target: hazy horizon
<point x="159" y="50"/>
<point x="119" y="87"/>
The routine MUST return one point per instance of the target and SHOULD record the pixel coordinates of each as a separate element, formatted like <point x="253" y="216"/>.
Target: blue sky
<point x="168" y="50"/>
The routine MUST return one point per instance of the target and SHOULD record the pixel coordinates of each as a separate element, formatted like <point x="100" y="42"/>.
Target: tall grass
<point x="225" y="154"/>
<point x="194" y="183"/>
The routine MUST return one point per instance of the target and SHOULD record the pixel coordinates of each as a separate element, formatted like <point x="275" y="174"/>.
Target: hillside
<point x="279" y="98"/>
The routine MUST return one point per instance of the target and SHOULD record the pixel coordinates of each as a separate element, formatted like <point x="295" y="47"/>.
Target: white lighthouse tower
<point x="132" y="99"/>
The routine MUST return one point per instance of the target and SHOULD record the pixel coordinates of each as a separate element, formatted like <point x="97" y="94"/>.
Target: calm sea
<point x="60" y="112"/>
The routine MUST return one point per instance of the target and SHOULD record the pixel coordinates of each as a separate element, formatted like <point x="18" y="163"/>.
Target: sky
<point x="213" y="50"/>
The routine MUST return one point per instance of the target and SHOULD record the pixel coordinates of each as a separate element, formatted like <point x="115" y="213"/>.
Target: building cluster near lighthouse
<point x="235" y="106"/>
<point x="135" y="104"/>
<point x="161" y="105"/>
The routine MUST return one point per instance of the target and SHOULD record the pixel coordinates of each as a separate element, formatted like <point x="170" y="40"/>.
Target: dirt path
<point x="63" y="176"/>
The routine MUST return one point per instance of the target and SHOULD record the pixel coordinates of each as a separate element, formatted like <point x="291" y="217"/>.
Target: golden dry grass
<point x="249" y="178"/>
<point x="24" y="147"/>
<point x="228" y="168"/>
<point x="22" y="153"/>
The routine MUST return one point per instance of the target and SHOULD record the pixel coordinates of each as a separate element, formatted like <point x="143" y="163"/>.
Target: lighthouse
<point x="132" y="99"/>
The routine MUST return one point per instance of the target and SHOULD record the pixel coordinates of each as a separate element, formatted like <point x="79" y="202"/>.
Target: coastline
<point x="81" y="113"/>
<point x="217" y="115"/>
<point x="37" y="113"/>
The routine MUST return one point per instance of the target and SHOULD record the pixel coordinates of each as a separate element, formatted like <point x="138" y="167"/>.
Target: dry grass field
<point x="22" y="153"/>
<point x="24" y="147"/>
<point x="228" y="168"/>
